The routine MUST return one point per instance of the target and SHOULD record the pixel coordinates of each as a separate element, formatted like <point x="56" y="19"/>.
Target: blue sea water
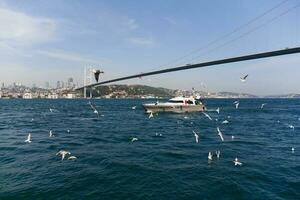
<point x="171" y="166"/>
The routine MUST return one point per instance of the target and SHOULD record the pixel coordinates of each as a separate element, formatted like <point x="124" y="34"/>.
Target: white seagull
<point x="207" y="115"/>
<point x="50" y="133"/>
<point x="263" y="105"/>
<point x="236" y="103"/>
<point x="134" y="139"/>
<point x="209" y="156"/>
<point x="220" y="134"/>
<point x="28" y="140"/>
<point x="68" y="130"/>
<point x="196" y="136"/>
<point x="236" y="162"/>
<point x="291" y="126"/>
<point x="72" y="158"/>
<point x="94" y="108"/>
<point x="293" y="150"/>
<point x="218" y="110"/>
<point x="225" y="122"/>
<point x="63" y="154"/>
<point x="133" y="107"/>
<point x="232" y="137"/>
<point x="150" y="115"/>
<point x="243" y="79"/>
<point x="218" y="152"/>
<point x="160" y="135"/>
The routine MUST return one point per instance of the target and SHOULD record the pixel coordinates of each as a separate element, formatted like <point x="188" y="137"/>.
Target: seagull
<point x="185" y="117"/>
<point x="207" y="115"/>
<point x="28" y="140"/>
<point x="218" y="110"/>
<point x="293" y="150"/>
<point x="220" y="134"/>
<point x="68" y="130"/>
<point x="232" y="137"/>
<point x="72" y="158"/>
<point x="291" y="126"/>
<point x="209" y="156"/>
<point x="236" y="162"/>
<point x="237" y="105"/>
<point x="218" y="152"/>
<point x="160" y="135"/>
<point x="50" y="133"/>
<point x="150" y="115"/>
<point x="262" y="105"/>
<point x="134" y="139"/>
<point x="53" y="110"/>
<point x="93" y="107"/>
<point x="133" y="107"/>
<point x="63" y="154"/>
<point x="225" y="122"/>
<point x="243" y="79"/>
<point x="196" y="136"/>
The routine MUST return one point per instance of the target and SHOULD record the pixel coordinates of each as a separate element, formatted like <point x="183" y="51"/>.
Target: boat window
<point x="175" y="101"/>
<point x="190" y="102"/>
<point x="198" y="102"/>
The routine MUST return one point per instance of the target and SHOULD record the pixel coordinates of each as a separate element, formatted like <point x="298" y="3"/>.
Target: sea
<point x="164" y="163"/>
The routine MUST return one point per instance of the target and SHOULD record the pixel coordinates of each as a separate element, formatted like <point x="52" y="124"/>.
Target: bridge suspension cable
<point x="204" y="64"/>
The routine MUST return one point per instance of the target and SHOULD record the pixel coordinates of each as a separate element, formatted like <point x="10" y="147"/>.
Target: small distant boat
<point x="176" y="105"/>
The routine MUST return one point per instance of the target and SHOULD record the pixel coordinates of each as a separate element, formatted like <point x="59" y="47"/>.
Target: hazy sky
<point x="53" y="40"/>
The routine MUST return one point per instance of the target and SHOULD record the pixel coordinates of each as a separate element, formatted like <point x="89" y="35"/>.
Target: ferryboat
<point x="176" y="105"/>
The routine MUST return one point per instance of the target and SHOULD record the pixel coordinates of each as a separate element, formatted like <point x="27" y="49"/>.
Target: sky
<point x="53" y="40"/>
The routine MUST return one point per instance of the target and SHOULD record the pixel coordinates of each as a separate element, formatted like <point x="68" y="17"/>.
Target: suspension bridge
<point x="257" y="56"/>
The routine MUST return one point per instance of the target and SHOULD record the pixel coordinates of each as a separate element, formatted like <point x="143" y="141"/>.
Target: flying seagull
<point x="291" y="126"/>
<point x="262" y="105"/>
<point x="236" y="162"/>
<point x="134" y="139"/>
<point x="150" y="115"/>
<point x="225" y="121"/>
<point x="243" y="79"/>
<point x="160" y="135"/>
<point x="218" y="152"/>
<point x="236" y="103"/>
<point x="196" y="136"/>
<point x="133" y="107"/>
<point x="207" y="115"/>
<point x="28" y="140"/>
<point x="93" y="107"/>
<point x="63" y="154"/>
<point x="50" y="133"/>
<point x="218" y="110"/>
<point x="220" y="134"/>
<point x="209" y="156"/>
<point x="72" y="158"/>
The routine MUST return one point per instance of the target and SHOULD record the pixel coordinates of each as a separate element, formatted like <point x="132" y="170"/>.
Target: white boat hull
<point x="173" y="108"/>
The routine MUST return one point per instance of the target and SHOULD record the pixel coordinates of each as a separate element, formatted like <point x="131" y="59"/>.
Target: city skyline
<point x="50" y="39"/>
